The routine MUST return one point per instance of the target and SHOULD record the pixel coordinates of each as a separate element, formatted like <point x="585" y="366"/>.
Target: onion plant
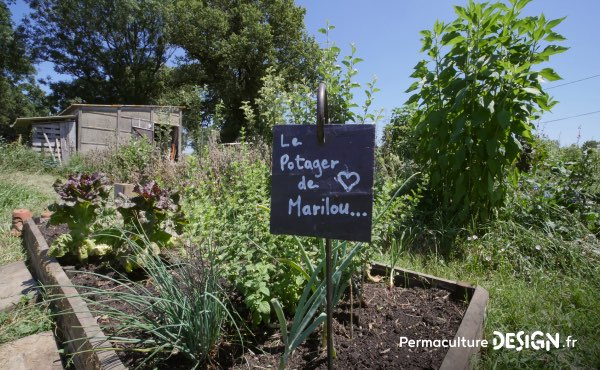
<point x="313" y="296"/>
<point x="181" y="307"/>
<point x="395" y="252"/>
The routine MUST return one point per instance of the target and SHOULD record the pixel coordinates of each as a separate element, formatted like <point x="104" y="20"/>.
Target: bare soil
<point x="371" y="342"/>
<point x="51" y="232"/>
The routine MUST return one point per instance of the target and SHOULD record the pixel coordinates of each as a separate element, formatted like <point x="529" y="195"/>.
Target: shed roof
<point x="73" y="107"/>
<point x="25" y="122"/>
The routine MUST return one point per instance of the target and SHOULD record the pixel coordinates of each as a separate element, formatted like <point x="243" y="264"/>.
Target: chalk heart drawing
<point x="348" y="180"/>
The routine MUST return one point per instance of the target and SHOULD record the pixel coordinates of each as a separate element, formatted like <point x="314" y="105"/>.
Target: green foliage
<point x="308" y="313"/>
<point x="281" y="103"/>
<point x="227" y="201"/>
<point x="229" y="45"/>
<point x="478" y="93"/>
<point x="398" y="190"/>
<point x="561" y="193"/>
<point x="136" y="161"/>
<point x="20" y="190"/>
<point x="83" y="197"/>
<point x="154" y="212"/>
<point x="18" y="157"/>
<point x="26" y="318"/>
<point x="193" y="97"/>
<point x="398" y="135"/>
<point x="19" y="93"/>
<point x="271" y="106"/>
<point x="116" y="51"/>
<point x="181" y="308"/>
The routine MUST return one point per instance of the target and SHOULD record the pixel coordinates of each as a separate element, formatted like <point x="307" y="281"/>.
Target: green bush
<point x="478" y="94"/>
<point x="18" y="157"/>
<point x="561" y="193"/>
<point x="227" y="202"/>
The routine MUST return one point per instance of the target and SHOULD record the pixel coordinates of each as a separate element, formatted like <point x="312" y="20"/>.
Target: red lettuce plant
<point x="155" y="212"/>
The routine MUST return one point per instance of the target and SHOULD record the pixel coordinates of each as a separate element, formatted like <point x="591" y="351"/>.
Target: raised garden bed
<point x="78" y="329"/>
<point x="420" y="307"/>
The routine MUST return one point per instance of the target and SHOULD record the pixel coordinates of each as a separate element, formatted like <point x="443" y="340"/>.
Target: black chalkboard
<point x="323" y="190"/>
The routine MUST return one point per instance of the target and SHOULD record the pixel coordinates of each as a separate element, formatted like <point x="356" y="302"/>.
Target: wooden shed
<point x="85" y="128"/>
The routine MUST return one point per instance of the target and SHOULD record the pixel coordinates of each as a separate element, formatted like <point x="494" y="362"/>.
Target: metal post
<point x="322" y="118"/>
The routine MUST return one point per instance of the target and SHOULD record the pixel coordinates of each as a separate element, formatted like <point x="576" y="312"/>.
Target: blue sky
<point x="386" y="34"/>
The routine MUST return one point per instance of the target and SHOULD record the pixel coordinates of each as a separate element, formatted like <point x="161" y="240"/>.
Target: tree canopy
<point x="19" y="94"/>
<point x="229" y="44"/>
<point x="115" y="51"/>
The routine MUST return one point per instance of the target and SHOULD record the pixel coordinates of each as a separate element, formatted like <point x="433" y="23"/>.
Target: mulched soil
<point x="372" y="342"/>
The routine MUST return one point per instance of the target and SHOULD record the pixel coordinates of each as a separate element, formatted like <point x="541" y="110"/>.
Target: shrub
<point x="18" y="157"/>
<point x="561" y="194"/>
<point x="227" y="201"/>
<point x="478" y="93"/>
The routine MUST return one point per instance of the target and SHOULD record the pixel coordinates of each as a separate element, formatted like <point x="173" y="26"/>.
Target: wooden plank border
<point x="84" y="334"/>
<point x="79" y="327"/>
<point x="472" y="324"/>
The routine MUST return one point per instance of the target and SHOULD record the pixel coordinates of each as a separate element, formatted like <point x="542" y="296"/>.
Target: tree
<point x="19" y="93"/>
<point x="229" y="44"/>
<point x="478" y="94"/>
<point x="279" y="103"/>
<point x="398" y="136"/>
<point x="114" y="50"/>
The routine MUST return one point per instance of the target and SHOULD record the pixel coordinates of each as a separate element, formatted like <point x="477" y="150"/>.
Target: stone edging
<point x="78" y="327"/>
<point x="472" y="324"/>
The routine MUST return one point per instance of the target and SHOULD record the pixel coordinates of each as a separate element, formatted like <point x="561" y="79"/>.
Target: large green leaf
<point x="532" y="90"/>
<point x="549" y="74"/>
<point x="552" y="50"/>
<point x="503" y="119"/>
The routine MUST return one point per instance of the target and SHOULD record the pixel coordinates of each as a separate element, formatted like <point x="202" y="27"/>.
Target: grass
<point x="25" y="319"/>
<point x="20" y="190"/>
<point x="539" y="296"/>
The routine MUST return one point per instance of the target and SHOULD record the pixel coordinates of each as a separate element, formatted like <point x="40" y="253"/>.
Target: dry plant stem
<point x="351" y="311"/>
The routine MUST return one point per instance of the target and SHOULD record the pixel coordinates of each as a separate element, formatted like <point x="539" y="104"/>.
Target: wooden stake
<point x="58" y="153"/>
<point x="49" y="146"/>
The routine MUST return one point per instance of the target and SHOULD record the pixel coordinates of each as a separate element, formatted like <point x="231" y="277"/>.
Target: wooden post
<point x="321" y="120"/>
<point x="58" y="152"/>
<point x="118" y="130"/>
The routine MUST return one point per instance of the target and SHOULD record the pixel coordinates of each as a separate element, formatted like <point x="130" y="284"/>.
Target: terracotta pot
<point x="19" y="217"/>
<point x="22" y="214"/>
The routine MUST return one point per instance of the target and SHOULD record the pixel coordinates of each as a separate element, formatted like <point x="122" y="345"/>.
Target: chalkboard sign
<point x="323" y="190"/>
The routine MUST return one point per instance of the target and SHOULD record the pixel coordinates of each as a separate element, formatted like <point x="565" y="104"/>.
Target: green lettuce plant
<point x="155" y="210"/>
<point x="154" y="213"/>
<point x="83" y="197"/>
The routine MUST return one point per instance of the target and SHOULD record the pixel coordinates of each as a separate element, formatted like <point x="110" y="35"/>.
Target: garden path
<point x="37" y="351"/>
